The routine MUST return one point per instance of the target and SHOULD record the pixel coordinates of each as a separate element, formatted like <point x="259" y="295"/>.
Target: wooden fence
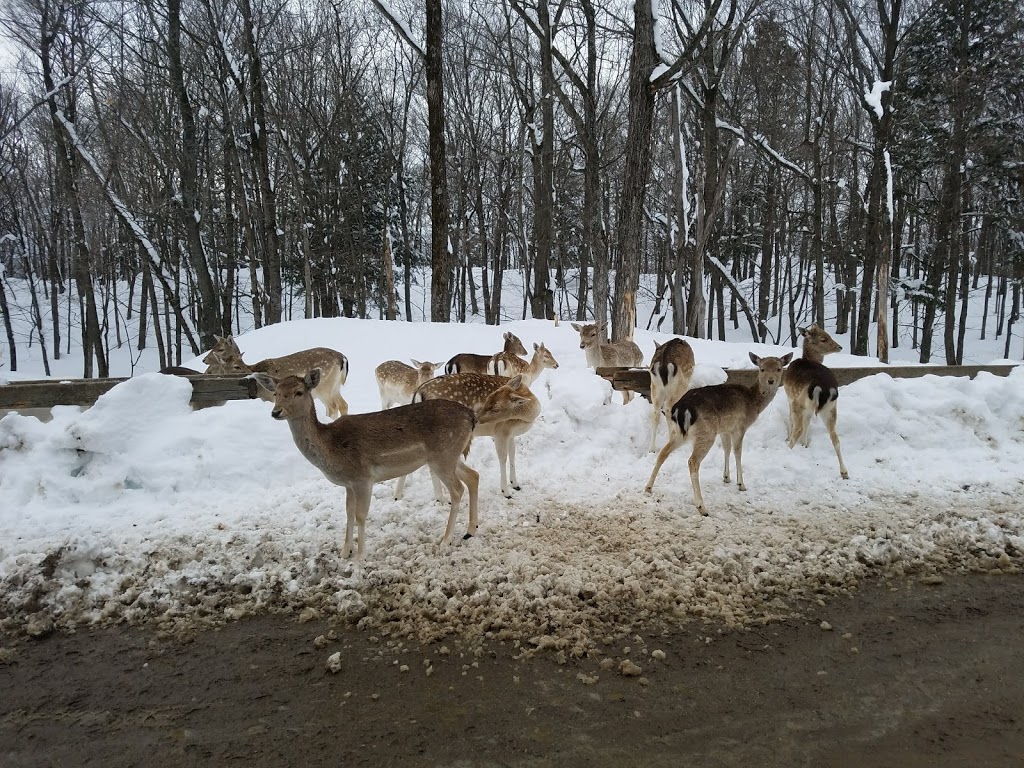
<point x="207" y="390"/>
<point x="639" y="379"/>
<point x="210" y="390"/>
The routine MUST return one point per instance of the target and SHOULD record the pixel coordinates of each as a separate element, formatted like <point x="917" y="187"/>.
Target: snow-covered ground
<point x="140" y="508"/>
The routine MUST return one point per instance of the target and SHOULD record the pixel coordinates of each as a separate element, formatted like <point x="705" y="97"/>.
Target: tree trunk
<point x="440" y="286"/>
<point x="637" y="169"/>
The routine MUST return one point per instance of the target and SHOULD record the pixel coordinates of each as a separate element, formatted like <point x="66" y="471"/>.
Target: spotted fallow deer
<point x="671" y="371"/>
<point x="357" y="451"/>
<point x="397" y="381"/>
<point x="509" y="365"/>
<point x="813" y="389"/>
<point x="505" y="409"/>
<point x="725" y="410"/>
<point x="623" y="353"/>
<point x="226" y="357"/>
<point x="467" y="362"/>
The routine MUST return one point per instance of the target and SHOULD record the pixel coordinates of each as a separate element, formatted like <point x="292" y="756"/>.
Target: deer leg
<point x="512" y="463"/>
<point x="830" y="416"/>
<point x="738" y="449"/>
<point x="702" y="445"/>
<point x="675" y="439"/>
<point x="727" y="448"/>
<point x="627" y="395"/>
<point x="400" y="487"/>
<point x="471" y="478"/>
<point x="438" y="493"/>
<point x="795" y="427"/>
<point x="501" y="442"/>
<point x="361" y="505"/>
<point x="350" y="519"/>
<point x="805" y="430"/>
<point x="655" y="419"/>
<point x="449" y="476"/>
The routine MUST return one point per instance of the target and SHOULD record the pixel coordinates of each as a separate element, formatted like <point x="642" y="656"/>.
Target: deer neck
<point x="761" y="394"/>
<point x="309" y="437"/>
<point x="812" y="354"/>
<point x="535" y="367"/>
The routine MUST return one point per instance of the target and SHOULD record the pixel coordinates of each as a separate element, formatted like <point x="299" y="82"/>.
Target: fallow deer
<point x="397" y="381"/>
<point x="725" y="410"/>
<point x="671" y="371"/>
<point x="623" y="353"/>
<point x="468" y="362"/>
<point x="225" y="357"/>
<point x="357" y="451"/>
<point x="508" y="365"/>
<point x="505" y="409"/>
<point x="812" y="388"/>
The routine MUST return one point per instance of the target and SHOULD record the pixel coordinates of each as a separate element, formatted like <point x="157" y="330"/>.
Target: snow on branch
<point x="120" y="208"/>
<point x="759" y="140"/>
<point x="400" y="26"/>
<point x="873" y="98"/>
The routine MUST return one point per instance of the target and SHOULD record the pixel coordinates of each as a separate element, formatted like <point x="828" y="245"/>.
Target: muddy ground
<point x="901" y="674"/>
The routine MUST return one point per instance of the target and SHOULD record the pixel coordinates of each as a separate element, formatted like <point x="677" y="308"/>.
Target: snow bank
<point x="140" y="508"/>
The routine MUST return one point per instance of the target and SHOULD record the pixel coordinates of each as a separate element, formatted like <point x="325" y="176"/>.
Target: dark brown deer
<point x="467" y="362"/>
<point x="813" y="389"/>
<point x="725" y="410"/>
<point x="671" y="371"/>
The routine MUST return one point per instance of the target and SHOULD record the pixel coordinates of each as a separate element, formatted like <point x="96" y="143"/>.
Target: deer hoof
<point x="703" y="511"/>
<point x="467" y="536"/>
<point x="517" y="487"/>
<point x="845" y="475"/>
<point x="742" y="487"/>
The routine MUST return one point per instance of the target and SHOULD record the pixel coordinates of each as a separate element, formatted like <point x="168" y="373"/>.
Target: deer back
<point x="810" y="379"/>
<point x="730" y="408"/>
<point x="467" y="362"/>
<point x="329" y="361"/>
<point x="469" y="389"/>
<point x="672" y="359"/>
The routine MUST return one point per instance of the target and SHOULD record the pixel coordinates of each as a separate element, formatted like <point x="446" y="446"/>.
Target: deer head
<point x="292" y="396"/>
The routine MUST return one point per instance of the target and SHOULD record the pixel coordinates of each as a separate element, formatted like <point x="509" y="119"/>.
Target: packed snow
<point x="141" y="509"/>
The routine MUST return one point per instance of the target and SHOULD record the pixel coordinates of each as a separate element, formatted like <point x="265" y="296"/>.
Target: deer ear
<point x="264" y="381"/>
<point x="755" y="359"/>
<point x="516" y="383"/>
<point x="804" y="331"/>
<point x="576" y="327"/>
<point x="786" y="358"/>
<point x="536" y="346"/>
<point x="415" y="363"/>
<point x="312" y="379"/>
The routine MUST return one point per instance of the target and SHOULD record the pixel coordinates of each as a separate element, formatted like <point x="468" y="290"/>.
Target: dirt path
<point x="908" y="675"/>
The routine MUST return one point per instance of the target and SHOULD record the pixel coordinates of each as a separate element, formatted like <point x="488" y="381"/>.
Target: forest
<point x="186" y="168"/>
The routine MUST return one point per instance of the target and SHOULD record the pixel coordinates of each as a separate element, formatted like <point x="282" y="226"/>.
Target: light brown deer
<point x="671" y="371"/>
<point x="357" y="451"/>
<point x="505" y="409"/>
<point x="468" y="362"/>
<point x="813" y="389"/>
<point x="725" y="410"/>
<point x="509" y="365"/>
<point x="397" y="381"/>
<point x="623" y="353"/>
<point x="225" y="357"/>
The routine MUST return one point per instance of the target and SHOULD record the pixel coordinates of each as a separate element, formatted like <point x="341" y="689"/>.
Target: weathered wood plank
<point x="639" y="380"/>
<point x="207" y="390"/>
